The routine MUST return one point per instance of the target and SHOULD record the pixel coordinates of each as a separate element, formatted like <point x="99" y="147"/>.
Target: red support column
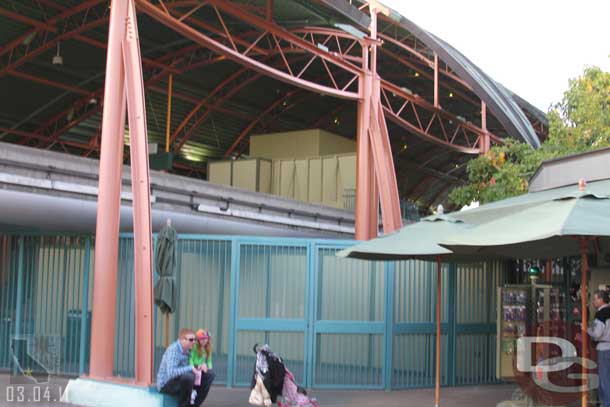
<point x="109" y="198"/>
<point x="140" y="186"/>
<point x="436" y="80"/>
<point x="583" y="243"/>
<point x="367" y="209"/>
<point x="380" y="143"/>
<point x="376" y="177"/>
<point x="367" y="201"/>
<point x="485" y="140"/>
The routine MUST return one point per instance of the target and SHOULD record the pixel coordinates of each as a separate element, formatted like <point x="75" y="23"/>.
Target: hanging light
<point x="417" y="74"/>
<point x="533" y="273"/>
<point x="450" y="94"/>
<point x="57" y="58"/>
<point x="336" y="121"/>
<point x="93" y="101"/>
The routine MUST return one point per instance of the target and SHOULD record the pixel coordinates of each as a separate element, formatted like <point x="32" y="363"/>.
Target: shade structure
<point x="414" y="241"/>
<point x="547" y="229"/>
<point x="165" y="266"/>
<point x="498" y="209"/>
<point x="572" y="224"/>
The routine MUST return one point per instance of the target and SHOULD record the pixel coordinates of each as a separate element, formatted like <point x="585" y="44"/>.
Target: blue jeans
<point x="603" y="370"/>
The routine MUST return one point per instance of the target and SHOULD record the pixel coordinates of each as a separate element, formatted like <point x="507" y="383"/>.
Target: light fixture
<point x="70" y="114"/>
<point x="450" y="94"/>
<point x="336" y="121"/>
<point x="93" y="101"/>
<point x="28" y="40"/>
<point x="417" y="74"/>
<point x="57" y="58"/>
<point x="322" y="47"/>
<point x="284" y="103"/>
<point x="533" y="273"/>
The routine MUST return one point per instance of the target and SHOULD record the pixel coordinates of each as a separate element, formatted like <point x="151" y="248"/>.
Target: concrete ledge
<point x="87" y="392"/>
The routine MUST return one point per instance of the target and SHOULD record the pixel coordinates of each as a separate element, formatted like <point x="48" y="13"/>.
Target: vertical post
<point x="233" y="307"/>
<point x="437" y="388"/>
<point x="584" y="245"/>
<point x="451" y="318"/>
<point x="18" y="310"/>
<point x="269" y="10"/>
<point x="484" y="141"/>
<point x="436" y="80"/>
<point x="367" y="210"/>
<point x="313" y="270"/>
<point x="168" y="121"/>
<point x="390" y="267"/>
<point x="140" y="182"/>
<point x="84" y="308"/>
<point x="380" y="140"/>
<point x="548" y="271"/>
<point x="109" y="200"/>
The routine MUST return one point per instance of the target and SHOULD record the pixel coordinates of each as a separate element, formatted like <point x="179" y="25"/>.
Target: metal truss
<point x="270" y="39"/>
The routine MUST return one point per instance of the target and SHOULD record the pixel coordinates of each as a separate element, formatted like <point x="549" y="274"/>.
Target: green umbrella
<point x="415" y="241"/>
<point x="547" y="229"/>
<point x="165" y="265"/>
<point x="495" y="210"/>
<point x="560" y="227"/>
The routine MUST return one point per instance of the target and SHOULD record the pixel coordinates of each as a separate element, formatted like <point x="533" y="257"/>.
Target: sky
<point x="532" y="47"/>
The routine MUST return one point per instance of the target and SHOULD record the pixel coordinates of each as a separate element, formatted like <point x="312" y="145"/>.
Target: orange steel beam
<point x="41" y="25"/>
<point x="47" y="82"/>
<point x="107" y="223"/>
<point x="56" y="125"/>
<point x="242" y="57"/>
<point x="38" y="39"/>
<point x="140" y="185"/>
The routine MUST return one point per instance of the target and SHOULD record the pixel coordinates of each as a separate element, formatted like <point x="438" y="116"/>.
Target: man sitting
<point x="176" y="377"/>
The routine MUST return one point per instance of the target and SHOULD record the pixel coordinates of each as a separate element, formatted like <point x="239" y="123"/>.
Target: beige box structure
<point x="328" y="180"/>
<point x="300" y="144"/>
<point x="249" y="174"/>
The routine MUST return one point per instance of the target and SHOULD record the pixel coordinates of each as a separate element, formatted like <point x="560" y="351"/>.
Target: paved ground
<point x="474" y="396"/>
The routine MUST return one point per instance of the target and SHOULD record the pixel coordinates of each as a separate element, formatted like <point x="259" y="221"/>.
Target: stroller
<point x="271" y="379"/>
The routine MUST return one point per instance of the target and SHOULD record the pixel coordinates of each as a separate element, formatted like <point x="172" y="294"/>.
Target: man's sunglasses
<point x="190" y="339"/>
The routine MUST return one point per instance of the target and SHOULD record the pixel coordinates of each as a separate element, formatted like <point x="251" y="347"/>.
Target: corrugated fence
<point x="338" y="323"/>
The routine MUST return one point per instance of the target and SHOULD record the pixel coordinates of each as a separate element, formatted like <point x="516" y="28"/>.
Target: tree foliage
<point x="578" y="123"/>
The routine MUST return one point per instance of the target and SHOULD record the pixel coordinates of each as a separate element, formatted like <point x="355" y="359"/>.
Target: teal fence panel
<point x="337" y="323"/>
<point x="204" y="266"/>
<point x="45" y="321"/>
<point x="475" y="322"/>
<point x="414" y="346"/>
<point x="203" y="283"/>
<point x="271" y="304"/>
<point x="349" y="326"/>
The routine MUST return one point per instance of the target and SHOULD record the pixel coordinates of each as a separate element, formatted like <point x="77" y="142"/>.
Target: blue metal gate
<point x="271" y="294"/>
<point x="338" y="323"/>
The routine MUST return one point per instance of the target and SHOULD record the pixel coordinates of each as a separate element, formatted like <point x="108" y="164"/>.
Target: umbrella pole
<point x="166" y="329"/>
<point x="437" y="390"/>
<point x="584" y="244"/>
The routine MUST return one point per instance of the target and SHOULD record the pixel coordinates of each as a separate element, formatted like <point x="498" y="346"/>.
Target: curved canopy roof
<point x="218" y="103"/>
